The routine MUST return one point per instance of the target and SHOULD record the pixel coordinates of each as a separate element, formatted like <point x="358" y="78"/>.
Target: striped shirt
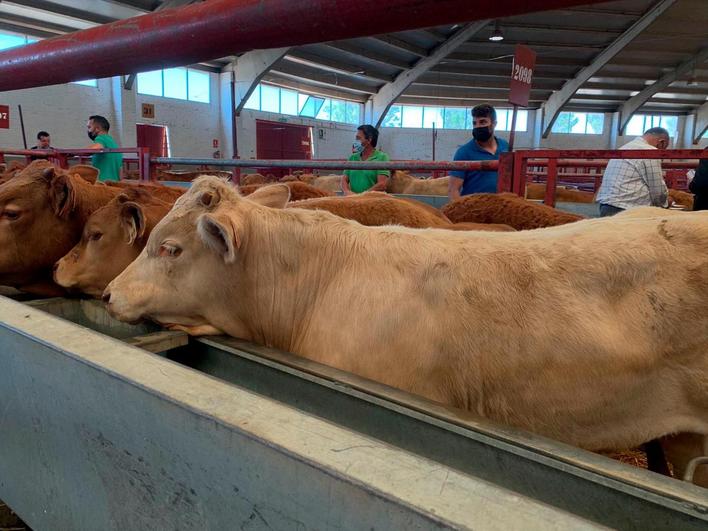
<point x="629" y="183"/>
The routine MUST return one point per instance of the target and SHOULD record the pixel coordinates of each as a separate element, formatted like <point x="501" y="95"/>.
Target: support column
<point x="125" y="113"/>
<point x="614" y="129"/>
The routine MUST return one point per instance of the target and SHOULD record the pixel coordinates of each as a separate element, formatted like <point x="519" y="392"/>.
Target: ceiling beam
<point x="554" y="105"/>
<point x="399" y="44"/>
<point x="249" y="69"/>
<point x="633" y="104"/>
<point x="100" y="11"/>
<point x="275" y="73"/>
<point x="326" y="91"/>
<point x="700" y="123"/>
<point x="368" y="55"/>
<point x="328" y="65"/>
<point x="382" y="100"/>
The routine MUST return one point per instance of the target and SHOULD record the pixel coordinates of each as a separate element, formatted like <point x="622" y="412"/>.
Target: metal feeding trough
<point x="219" y="433"/>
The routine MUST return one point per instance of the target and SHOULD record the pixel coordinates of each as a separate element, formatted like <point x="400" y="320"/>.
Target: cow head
<point x="42" y="212"/>
<point x="180" y="273"/>
<point x="112" y="238"/>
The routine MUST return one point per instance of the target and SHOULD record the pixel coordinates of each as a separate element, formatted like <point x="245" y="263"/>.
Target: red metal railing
<point x="514" y="173"/>
<point x="61" y="157"/>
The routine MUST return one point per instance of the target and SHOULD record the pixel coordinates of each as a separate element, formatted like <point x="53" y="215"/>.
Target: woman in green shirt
<point x="358" y="181"/>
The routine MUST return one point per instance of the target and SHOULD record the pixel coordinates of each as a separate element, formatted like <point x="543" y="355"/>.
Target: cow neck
<point x="289" y="265"/>
<point x="87" y="198"/>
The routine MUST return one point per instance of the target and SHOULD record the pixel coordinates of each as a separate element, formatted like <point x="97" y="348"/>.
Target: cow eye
<point x="95" y="236"/>
<point x="10" y="214"/>
<point x="169" y="250"/>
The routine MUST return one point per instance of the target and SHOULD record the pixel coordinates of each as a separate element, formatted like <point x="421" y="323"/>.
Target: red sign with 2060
<point x="522" y="75"/>
<point x="4" y="117"/>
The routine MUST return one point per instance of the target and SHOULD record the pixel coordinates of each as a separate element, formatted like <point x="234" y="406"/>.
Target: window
<point x="254" y="100"/>
<point x="447" y="118"/>
<point x="270" y="98"/>
<point x="506" y="116"/>
<point x="288" y="102"/>
<point x="641" y="122"/>
<point x="86" y="82"/>
<point x="579" y="123"/>
<point x="9" y="40"/>
<point x="393" y="117"/>
<point x="177" y="83"/>
<point x="412" y="116"/>
<point x="456" y="118"/>
<point x="174" y="83"/>
<point x="433" y="116"/>
<point x="198" y="86"/>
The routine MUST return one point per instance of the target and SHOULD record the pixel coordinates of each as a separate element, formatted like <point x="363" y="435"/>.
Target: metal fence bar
<point x="484" y="165"/>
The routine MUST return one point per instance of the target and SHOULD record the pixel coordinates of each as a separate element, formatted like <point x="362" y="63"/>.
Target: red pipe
<point x="209" y="30"/>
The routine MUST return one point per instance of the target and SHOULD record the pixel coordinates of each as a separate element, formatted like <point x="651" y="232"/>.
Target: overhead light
<point x="497" y="34"/>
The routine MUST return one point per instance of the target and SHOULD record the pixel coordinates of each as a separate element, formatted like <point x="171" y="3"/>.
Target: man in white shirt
<point x="629" y="183"/>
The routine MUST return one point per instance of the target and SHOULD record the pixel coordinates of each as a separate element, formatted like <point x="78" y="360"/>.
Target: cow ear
<point x="61" y="195"/>
<point x="133" y="220"/>
<point x="219" y="234"/>
<point x="209" y="198"/>
<point x="273" y="196"/>
<point x="49" y="173"/>
<point x="86" y="172"/>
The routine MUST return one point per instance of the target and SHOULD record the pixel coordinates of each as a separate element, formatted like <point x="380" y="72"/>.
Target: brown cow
<point x="506" y="209"/>
<point x="563" y="194"/>
<point x="496" y="324"/>
<point x="376" y="209"/>
<point x="160" y="191"/>
<point x="681" y="198"/>
<point x="401" y="182"/>
<point x="10" y="170"/>
<point x="112" y="238"/>
<point x="42" y="213"/>
<point x="252" y="178"/>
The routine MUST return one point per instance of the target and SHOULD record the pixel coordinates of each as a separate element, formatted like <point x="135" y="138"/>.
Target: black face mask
<point x="92" y="135"/>
<point x="482" y="134"/>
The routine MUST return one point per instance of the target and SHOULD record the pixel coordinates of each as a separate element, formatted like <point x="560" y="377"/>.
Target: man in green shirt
<point x="358" y="181"/>
<point x="108" y="164"/>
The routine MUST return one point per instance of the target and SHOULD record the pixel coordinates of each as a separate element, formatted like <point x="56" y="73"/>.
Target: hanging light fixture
<point x="497" y="34"/>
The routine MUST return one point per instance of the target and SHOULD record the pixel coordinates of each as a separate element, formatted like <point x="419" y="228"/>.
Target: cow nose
<point x="106" y="296"/>
<point x="56" y="266"/>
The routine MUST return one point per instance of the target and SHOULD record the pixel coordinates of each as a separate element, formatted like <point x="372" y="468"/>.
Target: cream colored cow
<point x="578" y="332"/>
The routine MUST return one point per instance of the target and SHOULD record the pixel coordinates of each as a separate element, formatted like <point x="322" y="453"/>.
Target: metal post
<point x="144" y="163"/>
<point x="512" y="135"/>
<point x="22" y="125"/>
<point x="551" y="178"/>
<point x="505" y="172"/>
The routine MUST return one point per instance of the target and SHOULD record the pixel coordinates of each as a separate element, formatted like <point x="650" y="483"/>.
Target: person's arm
<point x="654" y="179"/>
<point x="453" y="187"/>
<point x="457" y="178"/>
<point x="345" y="184"/>
<point x="380" y="186"/>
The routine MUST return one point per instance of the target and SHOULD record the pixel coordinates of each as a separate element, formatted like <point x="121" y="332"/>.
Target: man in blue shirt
<point x="484" y="146"/>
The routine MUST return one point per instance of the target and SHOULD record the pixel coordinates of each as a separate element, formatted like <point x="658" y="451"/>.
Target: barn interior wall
<point x="62" y="110"/>
<point x="331" y="140"/>
<point x="193" y="126"/>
